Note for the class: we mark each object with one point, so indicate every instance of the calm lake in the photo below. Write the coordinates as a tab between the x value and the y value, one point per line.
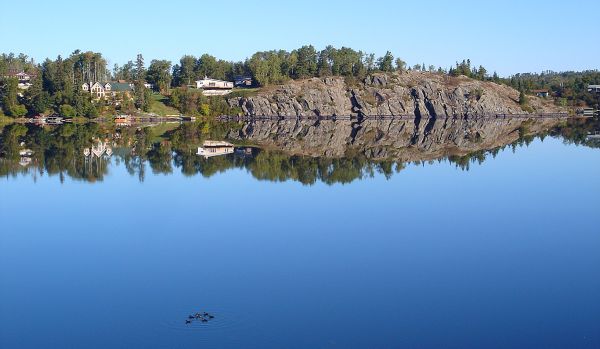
306	234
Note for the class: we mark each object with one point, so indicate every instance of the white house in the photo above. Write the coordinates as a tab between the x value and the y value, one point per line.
214	87
104	89
23	78
542	93
594	88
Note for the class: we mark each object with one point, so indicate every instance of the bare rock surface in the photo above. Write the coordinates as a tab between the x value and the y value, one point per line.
421	94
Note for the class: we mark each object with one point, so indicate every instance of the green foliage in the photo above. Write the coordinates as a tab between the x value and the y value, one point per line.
8	97
159	75
126	72
400	65
183	73
306	65
523	100
270	67
193	102
67	111
386	63
36	99
18	110
140	90
278	66
569	88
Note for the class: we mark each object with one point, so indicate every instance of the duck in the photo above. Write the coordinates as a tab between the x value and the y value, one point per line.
187	322
190	317
204	320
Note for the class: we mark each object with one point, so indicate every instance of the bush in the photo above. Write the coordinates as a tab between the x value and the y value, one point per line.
18	111
67	111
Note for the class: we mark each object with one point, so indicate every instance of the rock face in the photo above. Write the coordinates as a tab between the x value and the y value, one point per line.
419	94
398	139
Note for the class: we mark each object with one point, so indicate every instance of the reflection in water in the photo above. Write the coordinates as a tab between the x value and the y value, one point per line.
276	150
211	149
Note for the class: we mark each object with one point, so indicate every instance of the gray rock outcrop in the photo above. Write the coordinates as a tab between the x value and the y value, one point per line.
419	94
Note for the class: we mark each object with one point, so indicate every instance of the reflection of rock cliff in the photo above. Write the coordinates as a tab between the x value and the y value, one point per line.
399	139
411	93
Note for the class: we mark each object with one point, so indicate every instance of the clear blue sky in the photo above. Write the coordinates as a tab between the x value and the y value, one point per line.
509	36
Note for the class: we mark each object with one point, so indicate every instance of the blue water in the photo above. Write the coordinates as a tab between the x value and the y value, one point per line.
505	255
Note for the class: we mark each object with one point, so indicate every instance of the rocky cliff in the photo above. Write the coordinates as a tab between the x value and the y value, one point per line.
420	94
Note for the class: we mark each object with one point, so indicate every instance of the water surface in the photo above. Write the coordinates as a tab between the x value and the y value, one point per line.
496	249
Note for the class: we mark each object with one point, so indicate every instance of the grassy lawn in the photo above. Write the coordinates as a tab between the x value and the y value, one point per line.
159	107
243	92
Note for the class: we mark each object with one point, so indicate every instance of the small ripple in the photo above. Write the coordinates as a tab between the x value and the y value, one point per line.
222	321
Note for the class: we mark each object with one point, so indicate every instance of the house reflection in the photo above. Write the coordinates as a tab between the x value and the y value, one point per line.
211	149
98	150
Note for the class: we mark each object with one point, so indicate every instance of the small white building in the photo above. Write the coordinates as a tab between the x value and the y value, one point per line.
541	93
214	87
594	88
24	79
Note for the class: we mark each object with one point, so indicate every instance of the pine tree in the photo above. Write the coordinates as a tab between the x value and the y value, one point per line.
522	98
400	65
140	74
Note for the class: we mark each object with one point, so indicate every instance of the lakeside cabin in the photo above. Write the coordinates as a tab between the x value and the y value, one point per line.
211	149
541	93
214	87
594	88
23	78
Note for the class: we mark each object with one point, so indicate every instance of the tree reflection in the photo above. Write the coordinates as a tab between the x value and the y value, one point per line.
60	151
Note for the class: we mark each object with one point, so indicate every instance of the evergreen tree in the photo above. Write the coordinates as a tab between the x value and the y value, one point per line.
386	63
523	100
306	65
400	65
140	76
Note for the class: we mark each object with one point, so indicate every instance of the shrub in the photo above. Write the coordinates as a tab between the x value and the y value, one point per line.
67	111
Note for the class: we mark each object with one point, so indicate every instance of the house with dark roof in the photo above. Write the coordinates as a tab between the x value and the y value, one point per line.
107	89
23	77
243	81
121	86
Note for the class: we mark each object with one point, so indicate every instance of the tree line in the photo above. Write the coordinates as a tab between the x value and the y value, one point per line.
56	86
